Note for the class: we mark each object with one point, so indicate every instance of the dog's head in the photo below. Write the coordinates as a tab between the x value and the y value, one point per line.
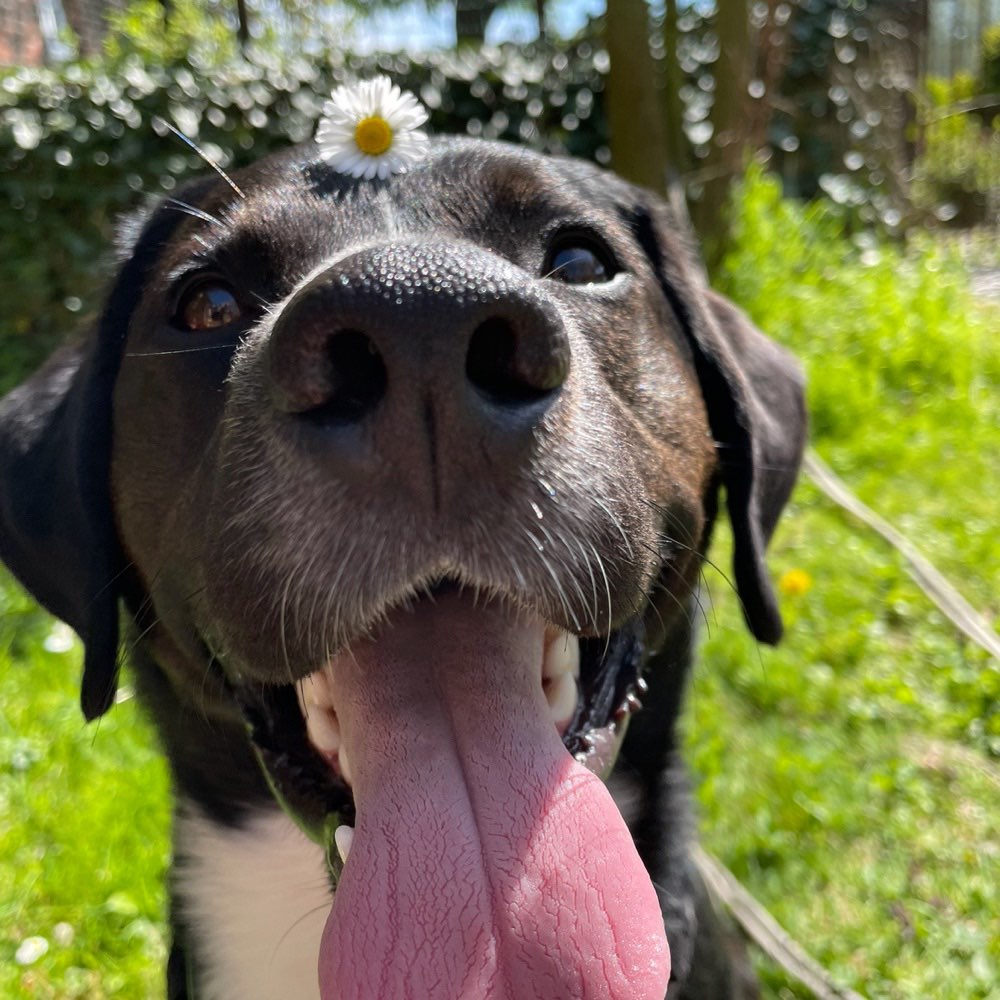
409	477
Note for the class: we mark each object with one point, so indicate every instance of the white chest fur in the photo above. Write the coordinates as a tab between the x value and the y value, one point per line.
255	901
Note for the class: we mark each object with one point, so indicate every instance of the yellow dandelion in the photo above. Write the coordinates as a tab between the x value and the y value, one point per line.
794	582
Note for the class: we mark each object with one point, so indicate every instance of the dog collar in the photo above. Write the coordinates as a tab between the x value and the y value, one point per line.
372	129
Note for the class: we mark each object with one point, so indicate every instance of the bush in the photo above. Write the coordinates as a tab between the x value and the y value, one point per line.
898	309
991	60
957	174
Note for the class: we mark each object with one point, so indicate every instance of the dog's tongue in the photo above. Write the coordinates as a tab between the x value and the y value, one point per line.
486	863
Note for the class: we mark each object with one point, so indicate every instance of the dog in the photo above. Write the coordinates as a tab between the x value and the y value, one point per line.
401	489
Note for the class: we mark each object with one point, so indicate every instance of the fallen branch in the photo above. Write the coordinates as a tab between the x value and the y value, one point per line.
950	602
766	932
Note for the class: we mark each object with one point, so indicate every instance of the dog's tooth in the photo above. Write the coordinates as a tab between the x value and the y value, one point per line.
323	729
343	837
344	765
562	656
315	690
561	694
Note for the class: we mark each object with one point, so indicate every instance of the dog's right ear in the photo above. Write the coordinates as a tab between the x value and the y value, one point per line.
57	529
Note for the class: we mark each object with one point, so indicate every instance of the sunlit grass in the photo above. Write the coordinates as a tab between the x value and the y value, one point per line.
852	776
84	820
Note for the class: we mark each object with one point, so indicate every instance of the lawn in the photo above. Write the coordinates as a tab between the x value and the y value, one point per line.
850	778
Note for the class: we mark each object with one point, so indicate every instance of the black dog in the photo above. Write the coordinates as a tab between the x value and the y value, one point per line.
404	487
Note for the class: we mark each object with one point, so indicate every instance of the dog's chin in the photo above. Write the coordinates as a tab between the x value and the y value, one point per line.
449	763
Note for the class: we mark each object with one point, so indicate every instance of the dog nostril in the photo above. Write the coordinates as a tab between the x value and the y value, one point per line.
357	378
512	368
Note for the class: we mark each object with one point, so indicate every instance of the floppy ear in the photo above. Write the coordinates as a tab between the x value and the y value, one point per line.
753	391
57	529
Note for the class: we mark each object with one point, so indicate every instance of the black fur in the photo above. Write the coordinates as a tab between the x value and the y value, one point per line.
61	523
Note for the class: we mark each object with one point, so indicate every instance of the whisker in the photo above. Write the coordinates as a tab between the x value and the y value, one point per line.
283	626
607	587
556	270
193	210
180	350
618	525
593	580
555	544
190	142
560	590
311	912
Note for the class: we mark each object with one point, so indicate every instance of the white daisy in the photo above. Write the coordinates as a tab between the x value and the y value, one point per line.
369	129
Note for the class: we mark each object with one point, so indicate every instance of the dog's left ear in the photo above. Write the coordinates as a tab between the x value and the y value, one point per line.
754	393
756	406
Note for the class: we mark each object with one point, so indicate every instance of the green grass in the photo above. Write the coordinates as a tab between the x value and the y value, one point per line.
84	820
851	778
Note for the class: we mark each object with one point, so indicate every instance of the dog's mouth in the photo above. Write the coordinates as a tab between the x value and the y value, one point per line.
450	763
590	719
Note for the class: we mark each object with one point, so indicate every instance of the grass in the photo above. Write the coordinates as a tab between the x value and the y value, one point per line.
851	778
84	816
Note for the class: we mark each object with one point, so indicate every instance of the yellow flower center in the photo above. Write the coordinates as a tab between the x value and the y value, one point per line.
373	135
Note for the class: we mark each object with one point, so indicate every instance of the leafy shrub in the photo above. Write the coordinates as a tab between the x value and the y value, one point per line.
957	174
898	310
991	60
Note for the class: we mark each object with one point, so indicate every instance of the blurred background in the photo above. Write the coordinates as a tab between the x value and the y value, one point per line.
839	161
885	107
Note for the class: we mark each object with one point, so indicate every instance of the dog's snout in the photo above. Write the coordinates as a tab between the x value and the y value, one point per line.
393	327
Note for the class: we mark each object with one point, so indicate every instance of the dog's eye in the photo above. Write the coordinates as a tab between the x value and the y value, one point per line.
577	264
208	305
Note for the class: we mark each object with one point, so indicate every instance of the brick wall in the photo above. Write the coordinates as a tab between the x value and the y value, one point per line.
20	37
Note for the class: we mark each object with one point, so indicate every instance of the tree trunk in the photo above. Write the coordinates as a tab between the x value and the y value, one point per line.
677	149
243	25
634	105
86	21
730	119
540	12
471	18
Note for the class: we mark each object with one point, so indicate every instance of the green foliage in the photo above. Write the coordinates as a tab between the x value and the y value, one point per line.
83	843
957	172
82	145
160	35
850	776
991	60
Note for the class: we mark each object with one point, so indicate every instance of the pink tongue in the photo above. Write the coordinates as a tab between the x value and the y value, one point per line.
486	863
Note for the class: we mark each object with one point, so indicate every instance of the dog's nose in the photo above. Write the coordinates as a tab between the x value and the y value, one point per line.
389	331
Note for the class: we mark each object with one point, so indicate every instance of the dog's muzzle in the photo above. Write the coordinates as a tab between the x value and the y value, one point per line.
486	857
